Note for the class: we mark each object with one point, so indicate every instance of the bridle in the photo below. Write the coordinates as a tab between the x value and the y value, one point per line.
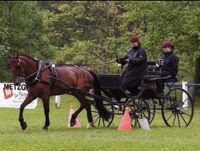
35	75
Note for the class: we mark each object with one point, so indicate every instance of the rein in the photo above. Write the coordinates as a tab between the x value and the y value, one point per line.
36	74
102	63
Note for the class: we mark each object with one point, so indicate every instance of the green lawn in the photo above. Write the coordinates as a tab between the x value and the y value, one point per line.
61	138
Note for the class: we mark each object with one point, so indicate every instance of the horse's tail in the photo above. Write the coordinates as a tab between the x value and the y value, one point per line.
103	112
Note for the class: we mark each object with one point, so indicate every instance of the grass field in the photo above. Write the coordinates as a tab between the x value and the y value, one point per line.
61	138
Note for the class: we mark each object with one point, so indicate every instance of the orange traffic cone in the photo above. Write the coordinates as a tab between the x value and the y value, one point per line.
125	123
71	111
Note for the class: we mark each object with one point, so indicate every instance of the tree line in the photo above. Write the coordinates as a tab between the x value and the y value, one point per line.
93	32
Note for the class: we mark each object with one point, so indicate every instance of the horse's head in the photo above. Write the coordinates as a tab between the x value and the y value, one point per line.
17	67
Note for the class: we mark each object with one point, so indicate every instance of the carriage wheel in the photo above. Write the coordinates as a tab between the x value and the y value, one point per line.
138	109
97	119
177	108
152	107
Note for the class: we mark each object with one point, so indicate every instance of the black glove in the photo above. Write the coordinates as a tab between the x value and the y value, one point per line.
122	60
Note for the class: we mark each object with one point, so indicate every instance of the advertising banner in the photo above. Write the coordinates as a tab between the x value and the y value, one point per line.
12	96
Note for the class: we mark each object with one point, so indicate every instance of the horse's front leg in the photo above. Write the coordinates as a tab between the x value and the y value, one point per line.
28	100
46	112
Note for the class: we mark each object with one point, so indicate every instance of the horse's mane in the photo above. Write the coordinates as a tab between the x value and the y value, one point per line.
28	57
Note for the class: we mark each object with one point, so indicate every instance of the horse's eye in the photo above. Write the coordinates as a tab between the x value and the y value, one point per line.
12	65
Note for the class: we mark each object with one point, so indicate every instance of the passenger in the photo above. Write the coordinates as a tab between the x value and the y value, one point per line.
136	59
168	64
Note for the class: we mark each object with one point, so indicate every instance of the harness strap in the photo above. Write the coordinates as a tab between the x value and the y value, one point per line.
37	77
53	71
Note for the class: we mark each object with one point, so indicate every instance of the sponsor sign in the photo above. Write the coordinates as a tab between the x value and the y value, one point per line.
12	96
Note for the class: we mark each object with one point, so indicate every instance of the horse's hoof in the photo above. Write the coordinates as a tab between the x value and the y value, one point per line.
90	125
24	126
45	128
72	123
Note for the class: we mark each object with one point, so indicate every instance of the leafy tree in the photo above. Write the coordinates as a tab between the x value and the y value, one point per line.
89	22
21	30
91	33
107	26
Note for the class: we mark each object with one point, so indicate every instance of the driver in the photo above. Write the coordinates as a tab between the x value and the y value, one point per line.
136	59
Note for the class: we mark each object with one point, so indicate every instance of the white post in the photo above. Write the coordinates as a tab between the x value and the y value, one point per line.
57	101
184	95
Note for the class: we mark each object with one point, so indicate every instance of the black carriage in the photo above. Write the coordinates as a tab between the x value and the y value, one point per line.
175	103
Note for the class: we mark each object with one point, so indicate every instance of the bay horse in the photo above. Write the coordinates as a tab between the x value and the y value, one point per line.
44	80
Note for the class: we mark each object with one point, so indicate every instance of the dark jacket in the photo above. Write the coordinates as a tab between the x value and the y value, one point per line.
138	61
170	64
136	68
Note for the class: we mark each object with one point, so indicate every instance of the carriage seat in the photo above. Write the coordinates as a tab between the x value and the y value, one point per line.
149	77
154	73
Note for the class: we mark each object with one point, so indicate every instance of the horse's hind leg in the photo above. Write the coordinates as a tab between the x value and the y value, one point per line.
28	100
89	116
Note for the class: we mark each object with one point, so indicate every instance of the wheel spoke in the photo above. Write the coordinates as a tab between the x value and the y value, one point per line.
99	121
183	119
169	117
182	112
167	105
178	120
175	96
138	109
95	111
174	120
186	100
96	119
103	121
95	115
179	102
